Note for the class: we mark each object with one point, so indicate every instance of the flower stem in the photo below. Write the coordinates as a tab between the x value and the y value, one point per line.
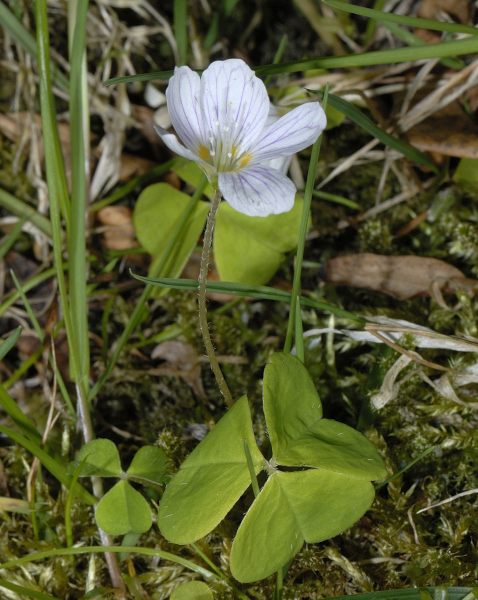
203	324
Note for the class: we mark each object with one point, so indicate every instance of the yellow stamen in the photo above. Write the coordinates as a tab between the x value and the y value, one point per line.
204	153
244	160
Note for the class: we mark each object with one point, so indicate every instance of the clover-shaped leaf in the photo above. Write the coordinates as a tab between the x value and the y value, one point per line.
246	249
192	590
102	460
211	479
122	509
300	437
293	506
157	213
251	249
150	465
312	505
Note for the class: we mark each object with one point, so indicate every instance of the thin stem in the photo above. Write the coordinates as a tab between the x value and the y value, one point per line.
255	483
314	158
203	324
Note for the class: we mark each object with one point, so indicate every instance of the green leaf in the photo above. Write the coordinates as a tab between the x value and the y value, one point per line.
156	216
256	291
8	344
334	117
466	173
151	464
378	57
122	510
24	591
211	479
190	172
192	590
102	459
300	437
251	249
310	505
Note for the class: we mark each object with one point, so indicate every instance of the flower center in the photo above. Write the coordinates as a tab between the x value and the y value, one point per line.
222	152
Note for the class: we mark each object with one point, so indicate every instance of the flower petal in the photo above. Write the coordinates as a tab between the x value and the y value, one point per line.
257	191
173	144
230	92
292	132
281	163
184	107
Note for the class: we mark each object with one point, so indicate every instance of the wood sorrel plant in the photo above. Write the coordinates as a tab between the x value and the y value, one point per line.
221	118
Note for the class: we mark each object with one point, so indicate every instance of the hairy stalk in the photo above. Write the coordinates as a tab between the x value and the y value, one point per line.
203	324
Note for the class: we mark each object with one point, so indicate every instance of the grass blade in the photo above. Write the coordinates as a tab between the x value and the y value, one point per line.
401	19
254	291
24	591
28	285
304	225
50	464
410	39
225	11
180	30
21	209
207	575
454	593
12	237
77	233
354	113
366	59
18	417
41	337
28	43
8	344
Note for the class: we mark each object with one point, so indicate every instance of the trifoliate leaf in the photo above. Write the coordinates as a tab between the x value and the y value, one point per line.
211	479
311	505
122	510
251	249
151	464
102	459
300	437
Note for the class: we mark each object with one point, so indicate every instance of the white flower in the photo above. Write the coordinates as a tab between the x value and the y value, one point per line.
221	120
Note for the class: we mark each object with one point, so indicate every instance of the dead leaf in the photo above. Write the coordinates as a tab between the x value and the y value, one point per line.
181	360
457	9
393	329
449	131
401	277
390	388
119	231
436	10
134	166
